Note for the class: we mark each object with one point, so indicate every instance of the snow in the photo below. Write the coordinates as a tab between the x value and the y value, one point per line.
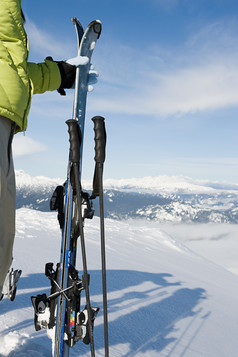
168	295
23	179
155	185
170	184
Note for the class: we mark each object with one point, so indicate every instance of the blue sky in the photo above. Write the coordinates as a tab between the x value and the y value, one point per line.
168	88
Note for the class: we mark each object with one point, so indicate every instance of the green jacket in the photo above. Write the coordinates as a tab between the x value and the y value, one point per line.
20	79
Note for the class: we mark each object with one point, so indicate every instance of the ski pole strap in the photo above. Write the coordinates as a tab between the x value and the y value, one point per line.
75	139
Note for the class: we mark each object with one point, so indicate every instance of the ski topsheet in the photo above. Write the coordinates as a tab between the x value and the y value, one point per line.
61	310
87	45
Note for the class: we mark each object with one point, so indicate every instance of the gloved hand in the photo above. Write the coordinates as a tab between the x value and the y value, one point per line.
68	72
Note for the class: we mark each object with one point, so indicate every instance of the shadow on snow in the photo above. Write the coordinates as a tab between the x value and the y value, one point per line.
143	310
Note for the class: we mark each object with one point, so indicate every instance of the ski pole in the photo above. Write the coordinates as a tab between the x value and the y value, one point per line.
100	145
75	143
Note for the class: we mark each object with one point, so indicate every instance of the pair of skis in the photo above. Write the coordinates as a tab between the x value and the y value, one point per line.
61	310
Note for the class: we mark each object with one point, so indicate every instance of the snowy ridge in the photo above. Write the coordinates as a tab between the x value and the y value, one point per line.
163	298
163	198
25	180
169	184
153	185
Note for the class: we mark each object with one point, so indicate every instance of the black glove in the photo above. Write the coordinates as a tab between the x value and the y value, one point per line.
68	73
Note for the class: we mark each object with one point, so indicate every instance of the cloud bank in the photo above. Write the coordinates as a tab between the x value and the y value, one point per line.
200	74
23	145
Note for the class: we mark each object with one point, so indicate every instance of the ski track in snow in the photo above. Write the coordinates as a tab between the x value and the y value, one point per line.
164	298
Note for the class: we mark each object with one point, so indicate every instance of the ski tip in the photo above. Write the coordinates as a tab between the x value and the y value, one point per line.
94	22
97	27
76	22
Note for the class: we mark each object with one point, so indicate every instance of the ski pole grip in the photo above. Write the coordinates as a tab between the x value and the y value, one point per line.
100	139
75	139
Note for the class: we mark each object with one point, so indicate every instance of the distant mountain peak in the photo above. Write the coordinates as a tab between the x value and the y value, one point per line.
161	198
23	179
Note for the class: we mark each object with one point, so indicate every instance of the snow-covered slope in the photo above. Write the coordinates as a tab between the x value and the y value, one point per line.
164	299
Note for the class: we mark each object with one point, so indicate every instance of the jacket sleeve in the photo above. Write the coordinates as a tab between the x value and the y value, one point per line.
44	76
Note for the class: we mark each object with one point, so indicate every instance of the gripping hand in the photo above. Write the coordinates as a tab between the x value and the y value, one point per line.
68	72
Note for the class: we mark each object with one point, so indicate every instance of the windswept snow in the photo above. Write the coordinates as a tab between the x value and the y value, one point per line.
164	298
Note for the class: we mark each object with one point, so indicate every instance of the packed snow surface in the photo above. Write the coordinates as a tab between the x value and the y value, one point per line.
165	298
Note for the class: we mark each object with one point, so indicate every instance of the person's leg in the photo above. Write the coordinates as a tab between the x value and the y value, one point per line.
7	198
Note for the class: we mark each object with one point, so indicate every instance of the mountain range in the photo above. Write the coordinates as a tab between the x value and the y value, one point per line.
161	198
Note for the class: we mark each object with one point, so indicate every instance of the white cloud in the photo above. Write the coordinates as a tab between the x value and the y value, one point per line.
199	75
199	88
191	82
23	145
44	44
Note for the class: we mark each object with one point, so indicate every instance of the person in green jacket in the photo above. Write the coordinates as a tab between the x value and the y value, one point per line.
19	80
